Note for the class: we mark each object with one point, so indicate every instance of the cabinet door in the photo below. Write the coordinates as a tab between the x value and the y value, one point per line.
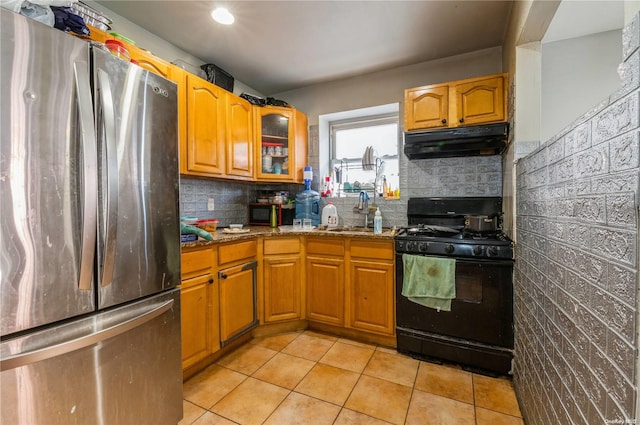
301	146
200	336
371	296
237	301
480	101
205	127
239	137
325	290
281	288
97	34
426	107
274	147
150	62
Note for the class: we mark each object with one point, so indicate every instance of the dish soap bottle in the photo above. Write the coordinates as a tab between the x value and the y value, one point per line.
377	222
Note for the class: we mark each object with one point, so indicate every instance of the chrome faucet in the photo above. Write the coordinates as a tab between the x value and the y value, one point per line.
363	207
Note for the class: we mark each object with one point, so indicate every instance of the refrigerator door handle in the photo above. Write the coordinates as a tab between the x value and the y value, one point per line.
64	347
88	142
110	149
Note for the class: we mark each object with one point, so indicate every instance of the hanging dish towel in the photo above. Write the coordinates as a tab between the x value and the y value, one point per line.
429	281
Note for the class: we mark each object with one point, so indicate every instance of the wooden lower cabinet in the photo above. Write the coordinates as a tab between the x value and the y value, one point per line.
199	307
237	300
282	279
200	334
339	285
325	272
238	288
371	296
372	286
325	290
281	288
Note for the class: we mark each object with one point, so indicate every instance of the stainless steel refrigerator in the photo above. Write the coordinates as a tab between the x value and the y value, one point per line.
89	234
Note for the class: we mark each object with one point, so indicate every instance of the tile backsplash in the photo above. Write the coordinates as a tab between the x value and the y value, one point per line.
230	198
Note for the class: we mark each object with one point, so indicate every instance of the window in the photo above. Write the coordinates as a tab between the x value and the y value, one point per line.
349	141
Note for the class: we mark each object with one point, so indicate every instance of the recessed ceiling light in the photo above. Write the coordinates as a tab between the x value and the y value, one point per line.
222	16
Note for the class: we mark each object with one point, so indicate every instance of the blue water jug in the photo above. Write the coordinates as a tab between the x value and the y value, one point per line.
308	201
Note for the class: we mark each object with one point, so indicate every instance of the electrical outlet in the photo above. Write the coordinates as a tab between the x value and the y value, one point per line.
210	205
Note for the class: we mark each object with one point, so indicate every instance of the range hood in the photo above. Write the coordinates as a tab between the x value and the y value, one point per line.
474	140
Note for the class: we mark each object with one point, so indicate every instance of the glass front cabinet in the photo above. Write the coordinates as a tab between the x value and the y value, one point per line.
275	147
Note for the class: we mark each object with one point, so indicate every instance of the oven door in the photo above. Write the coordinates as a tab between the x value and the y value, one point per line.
482	311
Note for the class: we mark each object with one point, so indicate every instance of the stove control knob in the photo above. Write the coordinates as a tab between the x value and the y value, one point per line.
422	247
399	245
410	246
449	248
477	250
492	251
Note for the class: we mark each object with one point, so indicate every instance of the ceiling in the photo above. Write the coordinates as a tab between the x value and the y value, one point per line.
578	18
275	46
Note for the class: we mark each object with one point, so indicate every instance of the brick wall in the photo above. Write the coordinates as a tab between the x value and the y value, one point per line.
576	274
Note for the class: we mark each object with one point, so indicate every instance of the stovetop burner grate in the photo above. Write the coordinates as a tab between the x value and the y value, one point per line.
437	227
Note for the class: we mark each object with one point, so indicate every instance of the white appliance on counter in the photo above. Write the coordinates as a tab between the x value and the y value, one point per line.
89	234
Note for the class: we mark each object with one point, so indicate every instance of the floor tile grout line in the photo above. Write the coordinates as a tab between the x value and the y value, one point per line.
473	393
413	389
313	334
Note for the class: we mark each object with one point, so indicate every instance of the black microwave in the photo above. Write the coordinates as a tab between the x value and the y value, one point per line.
260	214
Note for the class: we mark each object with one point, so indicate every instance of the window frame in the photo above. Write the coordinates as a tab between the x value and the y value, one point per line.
362	122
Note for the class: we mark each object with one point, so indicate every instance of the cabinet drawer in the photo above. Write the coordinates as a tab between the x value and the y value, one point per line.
370	249
281	246
196	263
198	280
237	251
325	246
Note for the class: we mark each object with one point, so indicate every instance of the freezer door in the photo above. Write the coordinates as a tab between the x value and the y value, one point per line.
121	366
47	175
138	226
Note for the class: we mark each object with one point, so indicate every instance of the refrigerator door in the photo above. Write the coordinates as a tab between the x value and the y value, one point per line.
138	226
121	366
47	175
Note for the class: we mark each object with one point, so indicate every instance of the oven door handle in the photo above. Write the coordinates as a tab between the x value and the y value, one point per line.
487	261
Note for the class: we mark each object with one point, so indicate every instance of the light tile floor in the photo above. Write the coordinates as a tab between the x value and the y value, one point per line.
310	378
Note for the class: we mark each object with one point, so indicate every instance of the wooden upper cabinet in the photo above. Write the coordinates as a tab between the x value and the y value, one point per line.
302	146
205	127
426	107
480	100
239	138
97	34
472	101
150	62
144	58
275	143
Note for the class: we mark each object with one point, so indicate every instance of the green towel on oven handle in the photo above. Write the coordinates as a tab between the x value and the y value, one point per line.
429	281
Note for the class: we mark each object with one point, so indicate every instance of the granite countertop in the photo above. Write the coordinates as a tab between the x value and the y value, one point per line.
256	231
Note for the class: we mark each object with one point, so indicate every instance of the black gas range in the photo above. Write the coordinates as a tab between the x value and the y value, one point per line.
446	241
478	331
